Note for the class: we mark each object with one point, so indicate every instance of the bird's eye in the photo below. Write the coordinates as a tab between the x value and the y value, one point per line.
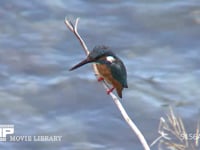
110	59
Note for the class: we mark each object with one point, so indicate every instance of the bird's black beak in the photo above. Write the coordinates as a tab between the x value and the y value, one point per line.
85	61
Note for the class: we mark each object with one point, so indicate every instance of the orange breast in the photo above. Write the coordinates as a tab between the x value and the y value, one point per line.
104	72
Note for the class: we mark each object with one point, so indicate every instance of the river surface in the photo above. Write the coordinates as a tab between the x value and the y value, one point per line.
158	41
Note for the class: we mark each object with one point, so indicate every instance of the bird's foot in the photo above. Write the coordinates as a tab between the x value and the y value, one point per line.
100	79
110	90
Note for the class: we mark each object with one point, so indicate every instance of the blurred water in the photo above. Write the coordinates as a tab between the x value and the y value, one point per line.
158	41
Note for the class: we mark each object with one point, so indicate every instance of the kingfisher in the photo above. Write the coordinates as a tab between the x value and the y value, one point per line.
110	68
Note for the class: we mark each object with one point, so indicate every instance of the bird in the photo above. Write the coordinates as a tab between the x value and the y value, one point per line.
110	68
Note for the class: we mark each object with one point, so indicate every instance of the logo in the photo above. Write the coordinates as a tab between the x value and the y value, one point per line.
6	130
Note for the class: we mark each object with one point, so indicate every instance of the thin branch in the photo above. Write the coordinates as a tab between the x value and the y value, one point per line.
74	29
197	137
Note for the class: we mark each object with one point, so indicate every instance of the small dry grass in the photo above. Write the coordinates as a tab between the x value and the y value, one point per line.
173	135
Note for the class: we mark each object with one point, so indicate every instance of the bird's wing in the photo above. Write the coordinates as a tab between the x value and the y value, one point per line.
119	72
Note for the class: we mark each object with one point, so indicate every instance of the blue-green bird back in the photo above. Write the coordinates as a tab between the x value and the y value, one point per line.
118	71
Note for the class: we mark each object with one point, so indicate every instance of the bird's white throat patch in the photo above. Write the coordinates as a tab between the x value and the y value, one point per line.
110	58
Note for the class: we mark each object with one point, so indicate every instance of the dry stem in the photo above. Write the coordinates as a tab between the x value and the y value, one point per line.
173	135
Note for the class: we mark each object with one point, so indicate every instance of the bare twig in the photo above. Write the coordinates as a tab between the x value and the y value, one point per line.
73	28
